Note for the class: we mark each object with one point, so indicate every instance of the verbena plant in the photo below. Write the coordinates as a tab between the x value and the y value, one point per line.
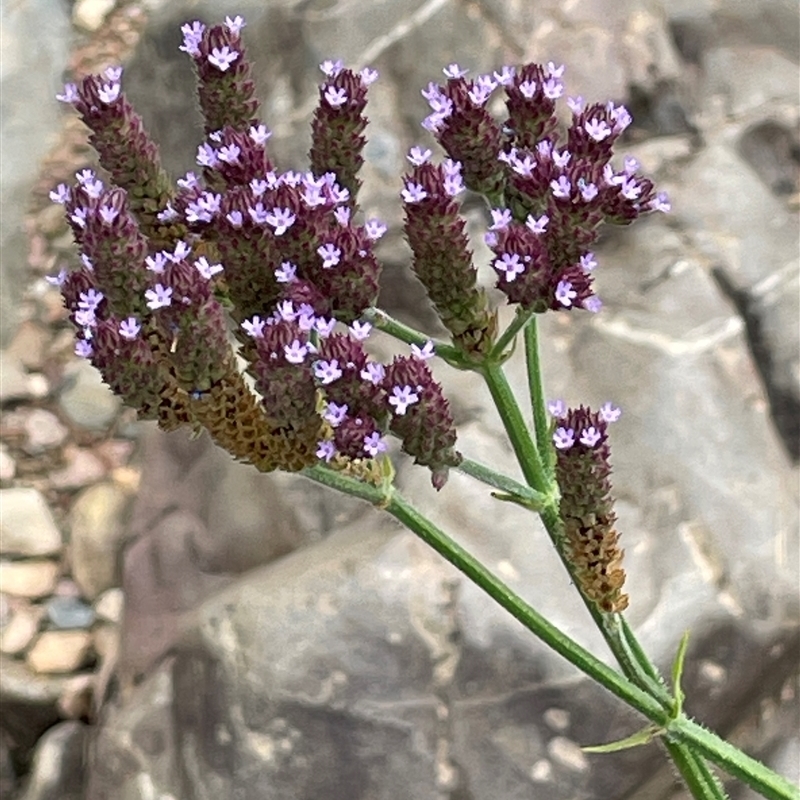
285	264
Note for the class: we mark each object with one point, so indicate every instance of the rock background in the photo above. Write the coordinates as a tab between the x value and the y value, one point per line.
152	607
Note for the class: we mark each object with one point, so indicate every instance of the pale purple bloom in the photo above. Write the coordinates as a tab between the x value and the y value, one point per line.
564	438
107	214
335	414
169	214
57	280
565	294
528	89
454	71
180	252
235	25
575	104
61	194
69	95
85	318
553	88
286	273
537	226
597	129
554	70
402	397
506	75
281	219
342	215
481	90
258	213
84	349
630	165
368	76
156	262
254	327
558	408
327	371
313	196
373	228
629	189
501	218
334	97
286	311
192	36
90	299
360	330
490	239
660	203
561	159
588	191
215	136
235	218
78	216
330	254
544	149
588	262
109	92
295	352
306	319
417	156
258	186
609	412
229	153
511	264
159	296
590	436
129	328
87	262
223	57
413	193
324	327
622	118
374	372
207	156
425	352
561	187
325	450
188	181
374	444
207	270
453	184
593	304
259	133
522	166
332	68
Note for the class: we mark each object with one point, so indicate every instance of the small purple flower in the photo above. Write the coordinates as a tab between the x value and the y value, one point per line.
334	97
87	262
501	218
235	25
373	228
374	444
557	408
629	189
565	294
169	214
188	182
413	193
342	215
553	88
254	327
192	36
630	165
78	216
57	280
207	156
327	371
281	219
593	304
506	75
286	273
538	226
597	129
159	296
324	327
109	92
511	264
527	89
588	262
229	153
561	187
69	95
660	203
61	194
180	252
454	71
335	414
609	412
90	299
417	156
575	104
453	184
156	262
402	397
564	438
85	318
129	328
360	330
622	118
285	310
107	214
258	213
295	352
374	372
330	254
235	218
331	68
84	349
368	76
590	436
325	450
259	133
207	270
425	352
222	57
588	191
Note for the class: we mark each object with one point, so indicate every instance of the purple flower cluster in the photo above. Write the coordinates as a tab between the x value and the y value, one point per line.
548	197
590	539
281	256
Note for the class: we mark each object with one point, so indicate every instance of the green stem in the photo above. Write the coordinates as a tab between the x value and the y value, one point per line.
695	772
541	424
518	433
520	320
529	497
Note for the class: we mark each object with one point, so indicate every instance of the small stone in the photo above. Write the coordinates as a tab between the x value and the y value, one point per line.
20	632
32	578
43	431
5	610
30	343
68	613
86	400
106	641
27	527
76	700
59	651
14	383
110	605
91	14
97	530
83	467
8	467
